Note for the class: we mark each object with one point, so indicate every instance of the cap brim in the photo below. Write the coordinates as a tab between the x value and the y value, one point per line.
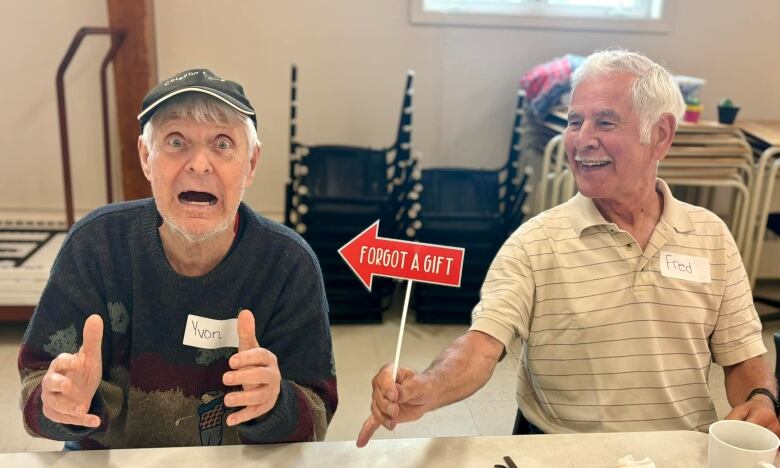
211	92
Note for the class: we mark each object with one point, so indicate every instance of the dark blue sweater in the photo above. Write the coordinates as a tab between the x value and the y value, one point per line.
155	390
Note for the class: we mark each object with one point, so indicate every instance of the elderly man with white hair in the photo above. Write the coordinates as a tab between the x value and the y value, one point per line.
622	296
203	322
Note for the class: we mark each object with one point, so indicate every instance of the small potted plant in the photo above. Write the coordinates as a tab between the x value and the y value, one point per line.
727	111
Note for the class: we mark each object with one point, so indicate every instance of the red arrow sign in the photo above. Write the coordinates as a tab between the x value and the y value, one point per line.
368	255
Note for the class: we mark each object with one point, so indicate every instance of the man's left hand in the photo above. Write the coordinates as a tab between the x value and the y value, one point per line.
758	410
256	370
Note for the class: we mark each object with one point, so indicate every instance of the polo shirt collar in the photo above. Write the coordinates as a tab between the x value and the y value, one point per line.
583	213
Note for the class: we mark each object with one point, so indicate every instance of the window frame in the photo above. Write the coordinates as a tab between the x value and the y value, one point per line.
662	25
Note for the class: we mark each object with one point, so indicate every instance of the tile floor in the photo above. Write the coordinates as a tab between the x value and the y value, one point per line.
360	351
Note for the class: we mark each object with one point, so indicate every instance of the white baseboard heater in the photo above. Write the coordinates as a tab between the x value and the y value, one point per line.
29	243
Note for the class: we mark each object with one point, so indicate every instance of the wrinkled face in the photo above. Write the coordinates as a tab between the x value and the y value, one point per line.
602	140
198	172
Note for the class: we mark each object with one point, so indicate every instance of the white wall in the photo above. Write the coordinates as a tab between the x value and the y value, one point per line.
34	35
352	55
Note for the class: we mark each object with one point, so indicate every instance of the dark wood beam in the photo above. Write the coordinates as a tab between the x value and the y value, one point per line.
16	313
135	72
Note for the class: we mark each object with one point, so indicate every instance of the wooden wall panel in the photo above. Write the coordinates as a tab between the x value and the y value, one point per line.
135	72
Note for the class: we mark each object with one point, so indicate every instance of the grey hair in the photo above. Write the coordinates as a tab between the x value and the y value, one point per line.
653	93
200	108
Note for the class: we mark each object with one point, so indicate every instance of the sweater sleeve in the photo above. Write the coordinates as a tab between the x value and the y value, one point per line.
299	335
70	296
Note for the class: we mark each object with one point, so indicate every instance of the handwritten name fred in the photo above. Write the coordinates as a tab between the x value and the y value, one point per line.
685	267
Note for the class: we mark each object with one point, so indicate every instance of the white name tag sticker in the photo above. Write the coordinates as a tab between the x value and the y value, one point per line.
206	333
686	267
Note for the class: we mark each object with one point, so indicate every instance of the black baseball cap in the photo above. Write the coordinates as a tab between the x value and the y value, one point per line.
196	81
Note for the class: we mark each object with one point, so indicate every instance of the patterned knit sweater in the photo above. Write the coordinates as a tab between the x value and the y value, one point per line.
156	391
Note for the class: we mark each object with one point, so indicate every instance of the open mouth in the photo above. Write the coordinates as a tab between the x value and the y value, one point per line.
197	198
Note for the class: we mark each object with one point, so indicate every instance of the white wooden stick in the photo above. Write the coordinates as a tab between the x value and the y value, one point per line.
401	330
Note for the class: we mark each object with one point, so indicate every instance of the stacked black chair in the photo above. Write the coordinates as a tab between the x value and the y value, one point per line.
335	192
471	208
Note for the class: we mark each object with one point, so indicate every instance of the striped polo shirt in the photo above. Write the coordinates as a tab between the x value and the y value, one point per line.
614	340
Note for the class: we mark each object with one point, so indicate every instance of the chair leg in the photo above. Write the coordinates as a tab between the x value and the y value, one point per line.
521	424
777	355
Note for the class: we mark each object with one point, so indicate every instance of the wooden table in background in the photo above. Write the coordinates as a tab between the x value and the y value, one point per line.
766	130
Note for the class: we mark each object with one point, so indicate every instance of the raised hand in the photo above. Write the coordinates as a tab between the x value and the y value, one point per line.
392	403
71	381
256	370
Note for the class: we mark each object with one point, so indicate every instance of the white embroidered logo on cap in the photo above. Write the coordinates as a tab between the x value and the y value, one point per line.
205	74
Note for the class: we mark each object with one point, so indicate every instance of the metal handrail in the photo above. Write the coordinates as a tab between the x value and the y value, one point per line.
117	37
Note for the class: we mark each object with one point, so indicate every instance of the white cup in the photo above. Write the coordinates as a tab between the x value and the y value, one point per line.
740	444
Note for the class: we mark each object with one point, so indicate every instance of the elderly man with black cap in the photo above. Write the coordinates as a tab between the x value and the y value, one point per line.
165	290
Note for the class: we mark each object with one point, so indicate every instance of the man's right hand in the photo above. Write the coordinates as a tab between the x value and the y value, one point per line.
392	403
70	383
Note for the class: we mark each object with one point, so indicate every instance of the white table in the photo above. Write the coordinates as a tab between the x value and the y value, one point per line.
667	449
